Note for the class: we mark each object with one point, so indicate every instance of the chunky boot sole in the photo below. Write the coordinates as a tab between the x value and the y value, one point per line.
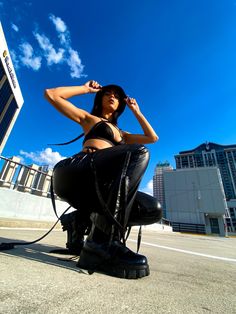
92	262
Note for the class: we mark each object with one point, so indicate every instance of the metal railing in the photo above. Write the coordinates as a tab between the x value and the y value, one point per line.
32	179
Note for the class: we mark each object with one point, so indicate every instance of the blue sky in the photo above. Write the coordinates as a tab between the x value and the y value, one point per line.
177	58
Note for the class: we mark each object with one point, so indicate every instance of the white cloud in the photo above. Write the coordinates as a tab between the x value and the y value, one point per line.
44	157
57	21
73	60
64	54
75	64
50	53
70	56
28	59
148	188
61	28
15	27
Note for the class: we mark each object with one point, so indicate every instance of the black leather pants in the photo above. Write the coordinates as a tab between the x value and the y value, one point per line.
103	182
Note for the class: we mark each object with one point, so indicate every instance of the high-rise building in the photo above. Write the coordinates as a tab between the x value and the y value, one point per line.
214	155
11	99
158	184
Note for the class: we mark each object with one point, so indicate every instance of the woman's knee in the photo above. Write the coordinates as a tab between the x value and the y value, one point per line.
138	148
146	210
139	153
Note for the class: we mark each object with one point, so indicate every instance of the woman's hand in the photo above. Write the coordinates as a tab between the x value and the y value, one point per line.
149	135
132	104
93	86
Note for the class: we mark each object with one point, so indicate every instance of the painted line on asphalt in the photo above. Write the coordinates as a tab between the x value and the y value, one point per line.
188	252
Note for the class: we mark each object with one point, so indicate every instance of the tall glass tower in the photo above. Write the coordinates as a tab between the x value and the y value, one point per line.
11	99
211	155
158	183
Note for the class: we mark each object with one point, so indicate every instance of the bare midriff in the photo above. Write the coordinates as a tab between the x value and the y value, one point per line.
96	144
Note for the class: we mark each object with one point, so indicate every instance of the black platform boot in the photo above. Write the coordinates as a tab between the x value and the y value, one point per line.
76	228
110	256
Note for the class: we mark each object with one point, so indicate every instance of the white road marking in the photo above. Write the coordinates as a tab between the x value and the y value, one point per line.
188	252
151	244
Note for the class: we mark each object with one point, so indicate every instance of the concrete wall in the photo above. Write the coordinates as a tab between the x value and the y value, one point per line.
19	205
194	196
26	206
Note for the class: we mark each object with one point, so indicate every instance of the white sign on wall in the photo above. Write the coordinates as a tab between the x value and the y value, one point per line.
9	69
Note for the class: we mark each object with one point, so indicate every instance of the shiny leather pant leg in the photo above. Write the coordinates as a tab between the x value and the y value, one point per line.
118	172
73	182
77	180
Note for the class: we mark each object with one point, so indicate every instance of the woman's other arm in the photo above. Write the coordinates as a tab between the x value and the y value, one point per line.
149	135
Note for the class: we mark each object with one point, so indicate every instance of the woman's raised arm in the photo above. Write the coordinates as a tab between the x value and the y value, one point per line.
149	135
58	98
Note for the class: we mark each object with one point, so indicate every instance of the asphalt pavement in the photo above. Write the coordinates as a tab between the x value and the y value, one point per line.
189	274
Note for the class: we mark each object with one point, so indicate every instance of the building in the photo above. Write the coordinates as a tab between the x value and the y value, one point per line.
11	99
224	158
25	191
158	184
213	155
195	200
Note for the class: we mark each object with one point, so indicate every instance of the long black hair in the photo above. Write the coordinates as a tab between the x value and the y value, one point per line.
97	107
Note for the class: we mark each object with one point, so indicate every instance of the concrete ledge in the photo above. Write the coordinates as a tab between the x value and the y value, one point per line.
35	224
20	205
24	210
31	224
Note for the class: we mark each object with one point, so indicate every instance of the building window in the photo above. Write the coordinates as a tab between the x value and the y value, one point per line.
7	119
2	72
198	159
184	162
232	213
5	93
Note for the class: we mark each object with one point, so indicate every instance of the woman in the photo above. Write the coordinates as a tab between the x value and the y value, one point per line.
102	180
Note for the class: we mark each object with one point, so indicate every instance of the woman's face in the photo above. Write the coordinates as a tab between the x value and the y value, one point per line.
110	101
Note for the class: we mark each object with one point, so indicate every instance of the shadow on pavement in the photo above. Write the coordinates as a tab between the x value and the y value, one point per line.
41	253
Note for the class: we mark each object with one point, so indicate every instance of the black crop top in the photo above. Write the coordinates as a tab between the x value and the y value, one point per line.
102	131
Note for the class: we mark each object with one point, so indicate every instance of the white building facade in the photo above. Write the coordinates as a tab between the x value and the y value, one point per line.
11	99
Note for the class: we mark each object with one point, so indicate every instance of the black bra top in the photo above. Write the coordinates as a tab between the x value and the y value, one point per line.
102	131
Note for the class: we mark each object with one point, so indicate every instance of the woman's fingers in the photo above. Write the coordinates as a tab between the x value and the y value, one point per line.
131	101
95	84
